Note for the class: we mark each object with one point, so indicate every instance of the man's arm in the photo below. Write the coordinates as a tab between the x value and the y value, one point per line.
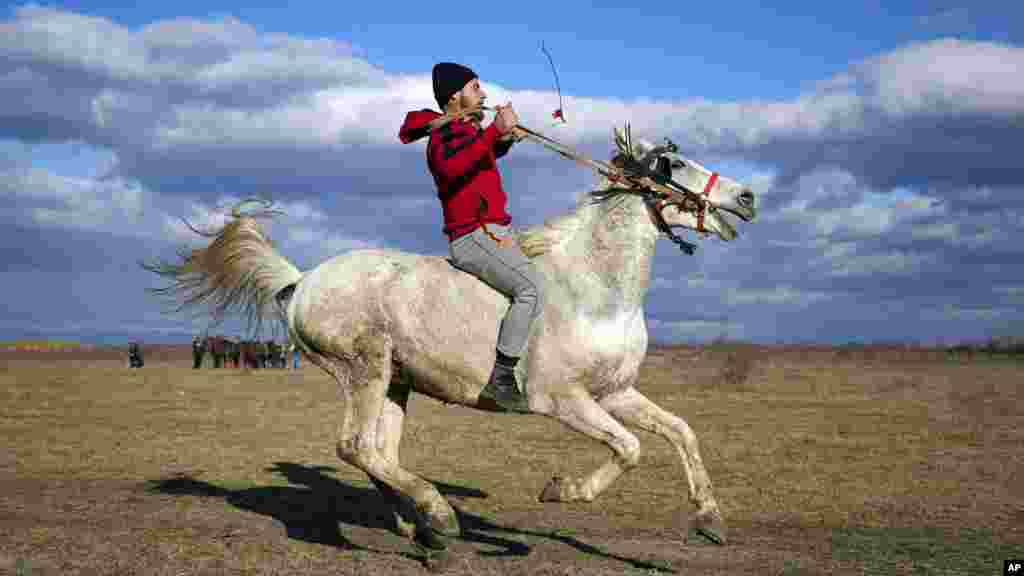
503	145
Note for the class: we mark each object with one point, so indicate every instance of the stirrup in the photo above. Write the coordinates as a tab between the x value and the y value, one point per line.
507	397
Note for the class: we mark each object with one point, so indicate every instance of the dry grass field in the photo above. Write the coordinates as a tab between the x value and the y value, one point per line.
825	461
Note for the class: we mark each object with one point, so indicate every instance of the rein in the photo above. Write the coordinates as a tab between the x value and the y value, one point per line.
657	188
659	220
634	173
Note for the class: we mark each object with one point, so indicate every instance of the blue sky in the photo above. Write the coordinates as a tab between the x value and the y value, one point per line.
882	142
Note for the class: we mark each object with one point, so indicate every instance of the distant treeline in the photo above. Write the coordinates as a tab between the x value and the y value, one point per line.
1001	346
43	345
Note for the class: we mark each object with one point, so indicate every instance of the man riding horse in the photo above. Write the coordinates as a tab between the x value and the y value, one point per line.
385	324
462	158
135	359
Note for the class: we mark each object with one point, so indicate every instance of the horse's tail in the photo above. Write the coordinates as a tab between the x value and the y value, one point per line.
239	270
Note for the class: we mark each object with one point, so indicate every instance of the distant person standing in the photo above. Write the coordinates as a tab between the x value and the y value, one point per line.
293	351
135	355
235	352
198	351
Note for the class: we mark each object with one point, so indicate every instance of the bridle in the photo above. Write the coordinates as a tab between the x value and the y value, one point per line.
657	187
657	200
636	176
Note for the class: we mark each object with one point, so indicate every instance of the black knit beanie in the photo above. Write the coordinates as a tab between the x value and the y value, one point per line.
449	78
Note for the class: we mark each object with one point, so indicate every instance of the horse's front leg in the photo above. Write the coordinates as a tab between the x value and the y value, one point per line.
635	409
581	413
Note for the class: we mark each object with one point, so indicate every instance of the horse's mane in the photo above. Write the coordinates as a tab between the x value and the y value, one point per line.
542	239
545	237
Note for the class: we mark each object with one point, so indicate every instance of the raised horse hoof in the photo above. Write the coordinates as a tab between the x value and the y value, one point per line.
552	491
710	526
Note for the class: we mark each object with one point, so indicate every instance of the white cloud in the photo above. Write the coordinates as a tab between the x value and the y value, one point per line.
1014	292
832	202
306	231
780	295
878	214
328	95
954	312
948	231
896	262
324	243
836	251
689	282
761	183
302	211
76	203
51	36
201	217
703	329
212	55
948	75
861	219
999	231
127	209
940	77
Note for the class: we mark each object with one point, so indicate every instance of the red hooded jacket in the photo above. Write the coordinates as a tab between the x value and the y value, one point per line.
462	158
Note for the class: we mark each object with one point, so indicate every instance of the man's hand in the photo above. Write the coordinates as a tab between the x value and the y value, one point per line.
516	135
506	118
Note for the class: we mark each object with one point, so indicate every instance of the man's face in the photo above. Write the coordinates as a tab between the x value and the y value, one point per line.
471	95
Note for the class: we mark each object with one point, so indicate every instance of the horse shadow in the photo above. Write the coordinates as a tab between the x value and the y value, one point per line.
317	505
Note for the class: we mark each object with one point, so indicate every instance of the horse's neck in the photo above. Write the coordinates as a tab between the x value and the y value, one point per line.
605	267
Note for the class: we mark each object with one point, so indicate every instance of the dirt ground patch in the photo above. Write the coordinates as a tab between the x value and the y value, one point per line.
823	463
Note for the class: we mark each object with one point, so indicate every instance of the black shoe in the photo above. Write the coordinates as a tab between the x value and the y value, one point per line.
502	390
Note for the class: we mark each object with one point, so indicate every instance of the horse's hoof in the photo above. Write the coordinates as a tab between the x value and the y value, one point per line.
405	528
432	540
711	526
552	490
438	561
436	535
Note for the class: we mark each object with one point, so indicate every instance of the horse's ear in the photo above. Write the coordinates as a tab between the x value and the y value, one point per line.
620	139
624	140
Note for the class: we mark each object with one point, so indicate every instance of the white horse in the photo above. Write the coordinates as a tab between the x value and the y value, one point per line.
385	323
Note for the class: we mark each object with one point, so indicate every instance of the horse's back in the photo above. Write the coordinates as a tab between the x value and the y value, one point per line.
441	322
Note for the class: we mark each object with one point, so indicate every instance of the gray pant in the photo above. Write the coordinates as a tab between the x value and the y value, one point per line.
509	272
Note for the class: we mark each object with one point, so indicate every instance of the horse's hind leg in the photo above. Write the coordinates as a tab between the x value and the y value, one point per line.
633	408
364	381
389	437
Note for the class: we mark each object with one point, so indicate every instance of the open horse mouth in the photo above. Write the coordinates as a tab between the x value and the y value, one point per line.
740	215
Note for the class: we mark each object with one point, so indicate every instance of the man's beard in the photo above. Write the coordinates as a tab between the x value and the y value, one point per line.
478	115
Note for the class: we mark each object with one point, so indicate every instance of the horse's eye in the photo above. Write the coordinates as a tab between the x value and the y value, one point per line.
663	167
676	164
